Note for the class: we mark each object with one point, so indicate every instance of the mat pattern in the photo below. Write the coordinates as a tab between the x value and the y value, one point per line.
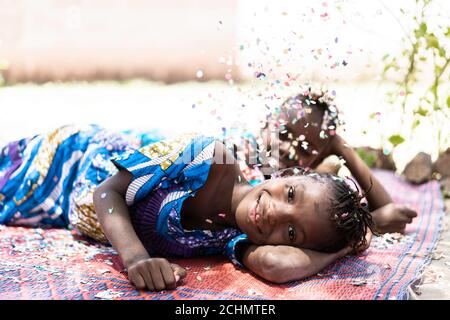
59	264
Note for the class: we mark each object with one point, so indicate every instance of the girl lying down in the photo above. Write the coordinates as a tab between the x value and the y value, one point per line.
179	198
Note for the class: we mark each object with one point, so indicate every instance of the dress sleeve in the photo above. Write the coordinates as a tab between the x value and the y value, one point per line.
232	246
185	159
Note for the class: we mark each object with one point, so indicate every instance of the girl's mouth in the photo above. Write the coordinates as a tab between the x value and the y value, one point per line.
255	214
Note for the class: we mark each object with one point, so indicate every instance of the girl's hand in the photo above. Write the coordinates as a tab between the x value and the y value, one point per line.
393	218
366	246
155	274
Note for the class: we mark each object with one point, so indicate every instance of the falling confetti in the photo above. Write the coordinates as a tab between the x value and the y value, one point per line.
199	73
260	75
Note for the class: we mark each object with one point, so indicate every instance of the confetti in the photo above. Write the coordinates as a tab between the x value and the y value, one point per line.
103	195
108	295
260	75
359	282
103	271
199	74
389	240
110	210
253	292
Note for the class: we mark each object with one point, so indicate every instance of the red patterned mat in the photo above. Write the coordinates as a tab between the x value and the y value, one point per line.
58	264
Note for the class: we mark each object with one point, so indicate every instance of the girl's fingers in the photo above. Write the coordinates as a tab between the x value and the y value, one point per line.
168	276
157	277
177	270
148	279
405	219
138	281
409	212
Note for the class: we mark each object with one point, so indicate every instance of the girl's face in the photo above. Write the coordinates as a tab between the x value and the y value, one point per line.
309	146
287	211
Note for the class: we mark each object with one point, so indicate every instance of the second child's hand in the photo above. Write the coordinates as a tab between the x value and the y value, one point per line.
393	218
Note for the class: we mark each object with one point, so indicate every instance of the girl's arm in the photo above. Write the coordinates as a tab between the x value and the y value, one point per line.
280	264
112	212
113	215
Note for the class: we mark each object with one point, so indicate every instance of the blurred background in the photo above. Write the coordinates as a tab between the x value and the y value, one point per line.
207	65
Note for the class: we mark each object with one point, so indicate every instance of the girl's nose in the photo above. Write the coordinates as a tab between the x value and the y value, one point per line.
277	213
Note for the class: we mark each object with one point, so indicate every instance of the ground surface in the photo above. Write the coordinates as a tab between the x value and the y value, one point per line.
30	109
435	283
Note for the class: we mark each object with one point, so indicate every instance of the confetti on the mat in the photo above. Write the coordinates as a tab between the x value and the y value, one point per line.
359	282
110	210
103	271
253	292
108	295
389	240
103	195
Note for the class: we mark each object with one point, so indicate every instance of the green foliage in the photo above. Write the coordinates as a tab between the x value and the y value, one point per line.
396	139
368	157
424	47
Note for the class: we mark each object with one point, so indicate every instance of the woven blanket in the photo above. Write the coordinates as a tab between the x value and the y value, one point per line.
59	264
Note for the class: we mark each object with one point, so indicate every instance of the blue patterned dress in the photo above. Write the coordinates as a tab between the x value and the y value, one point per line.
49	180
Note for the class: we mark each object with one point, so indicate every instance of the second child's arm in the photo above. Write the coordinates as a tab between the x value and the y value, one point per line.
113	215
388	216
378	196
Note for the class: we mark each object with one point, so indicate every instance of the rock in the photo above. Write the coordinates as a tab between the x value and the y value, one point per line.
442	164
445	188
375	158
419	169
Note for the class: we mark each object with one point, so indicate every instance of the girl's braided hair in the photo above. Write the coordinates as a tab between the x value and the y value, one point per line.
294	108
347	209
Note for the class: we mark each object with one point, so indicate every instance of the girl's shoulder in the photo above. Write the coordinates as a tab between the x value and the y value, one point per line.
184	159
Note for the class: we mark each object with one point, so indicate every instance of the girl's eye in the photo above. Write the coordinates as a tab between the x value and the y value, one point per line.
291	233
291	194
